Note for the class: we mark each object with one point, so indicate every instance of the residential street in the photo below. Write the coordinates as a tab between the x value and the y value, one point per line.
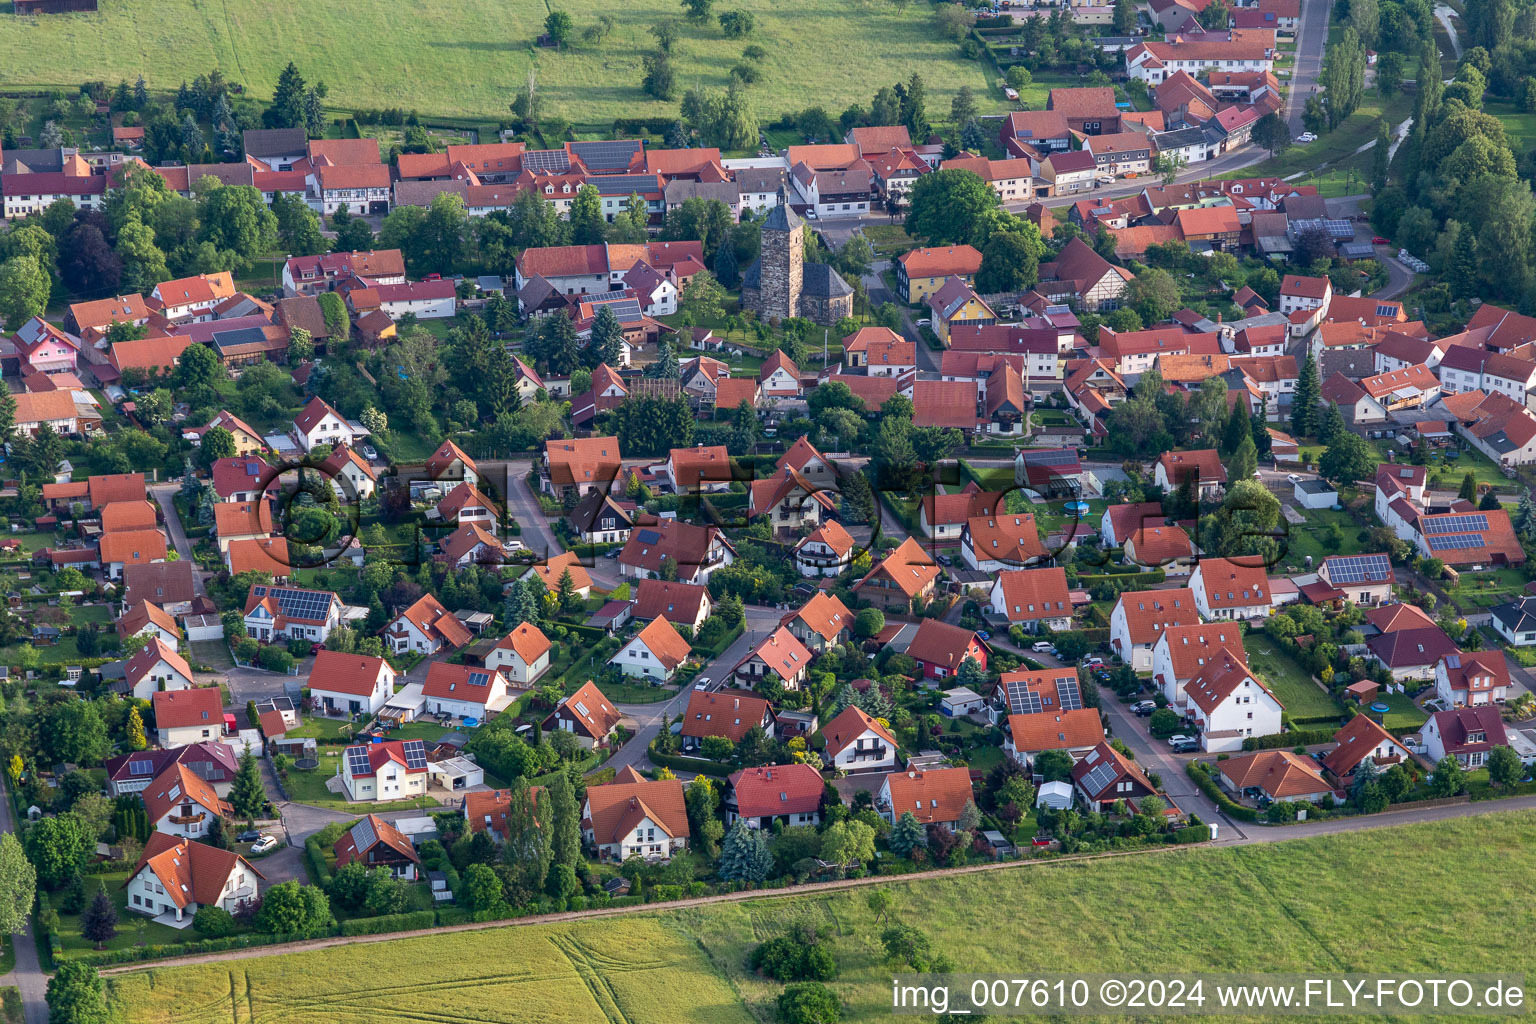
647	717
1310	40
28	974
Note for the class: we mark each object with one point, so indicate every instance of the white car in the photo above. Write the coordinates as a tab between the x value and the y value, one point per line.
265	843
924	322
1293	478
1305	137
1044	647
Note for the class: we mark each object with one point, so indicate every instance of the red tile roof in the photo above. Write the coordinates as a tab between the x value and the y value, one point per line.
939	643
614	809
356	674
774	789
190	872
664	642
1149	612
909	567
180	709
1030	594
1357	740
676	602
1279	773
824	615
1064	730
177	784
848	726
366	834
728	713
590	709
935	795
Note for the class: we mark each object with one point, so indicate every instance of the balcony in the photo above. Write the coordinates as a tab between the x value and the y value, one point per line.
187	819
871	754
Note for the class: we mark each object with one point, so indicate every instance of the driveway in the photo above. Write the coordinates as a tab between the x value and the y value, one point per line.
647	717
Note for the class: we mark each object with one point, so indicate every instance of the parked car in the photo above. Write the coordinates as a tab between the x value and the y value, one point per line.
614	553
1183	744
264	844
1143	708
250	835
1094	662
701	683
316	648
924	322
983	634
1293	478
1044	647
1378	240
369	452
946	560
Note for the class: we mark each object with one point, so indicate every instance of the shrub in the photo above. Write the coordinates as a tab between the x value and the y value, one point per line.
794	957
213	922
382	925
1202	778
809	1002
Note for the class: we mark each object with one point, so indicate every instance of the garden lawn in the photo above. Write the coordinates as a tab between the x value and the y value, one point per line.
889	240
131	928
1301	541
1302	698
212	652
80	614
1446	474
1405	714
448	59
1151	910
1480	591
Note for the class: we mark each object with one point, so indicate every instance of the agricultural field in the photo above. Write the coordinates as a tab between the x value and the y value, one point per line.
646	972
689	965
460	60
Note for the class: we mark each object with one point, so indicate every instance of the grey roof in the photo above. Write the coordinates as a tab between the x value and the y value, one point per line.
409	192
226	340
761	179
781	217
1315	487
1354	363
753	276
1179	138
275	141
37	161
1518	616
489	283
1357	250
679	190
822	282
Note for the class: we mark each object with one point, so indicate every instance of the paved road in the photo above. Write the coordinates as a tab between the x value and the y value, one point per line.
1444	14
164	495
1310	40
647	717
28	974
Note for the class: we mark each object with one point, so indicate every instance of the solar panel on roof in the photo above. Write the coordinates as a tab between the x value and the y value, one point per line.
1070	693
547	160
605	154
1456	524
479	678
363	835
1386	311
415	752
357	761
626	310
1453	661
303	604
1023	701
1054	457
1455	541
1357	568
1099	779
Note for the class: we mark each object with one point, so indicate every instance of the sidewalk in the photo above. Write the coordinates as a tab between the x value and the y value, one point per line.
28	974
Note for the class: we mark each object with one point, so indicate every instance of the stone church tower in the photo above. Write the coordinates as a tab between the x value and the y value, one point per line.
782	273
780	284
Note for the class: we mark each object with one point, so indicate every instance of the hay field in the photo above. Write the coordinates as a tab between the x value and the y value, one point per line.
1335	903
465	59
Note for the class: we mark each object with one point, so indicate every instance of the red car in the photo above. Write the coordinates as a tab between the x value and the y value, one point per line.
1378	240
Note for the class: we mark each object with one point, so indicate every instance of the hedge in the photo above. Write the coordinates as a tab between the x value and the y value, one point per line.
1295	738
1192	834
137	954
689	764
1202	778
385	923
317	861
453	915
1154	576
